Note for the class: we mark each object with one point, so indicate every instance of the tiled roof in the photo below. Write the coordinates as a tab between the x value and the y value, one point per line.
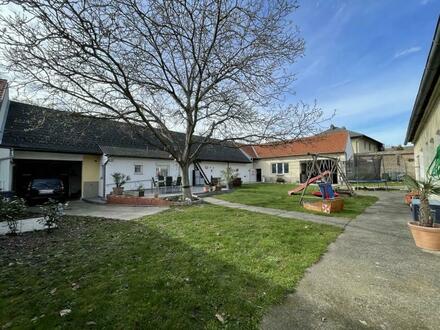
250	151
134	152
329	143
427	87
30	127
353	134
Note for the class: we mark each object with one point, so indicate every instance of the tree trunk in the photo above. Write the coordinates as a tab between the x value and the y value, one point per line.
186	187
425	211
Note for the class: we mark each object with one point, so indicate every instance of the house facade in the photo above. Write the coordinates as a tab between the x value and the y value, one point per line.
288	161
85	151
424	125
360	143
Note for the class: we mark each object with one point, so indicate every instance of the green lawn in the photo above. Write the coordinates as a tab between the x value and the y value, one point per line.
275	196
177	269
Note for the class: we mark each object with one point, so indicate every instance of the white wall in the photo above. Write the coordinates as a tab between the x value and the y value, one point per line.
5	170
294	167
349	150
243	170
126	166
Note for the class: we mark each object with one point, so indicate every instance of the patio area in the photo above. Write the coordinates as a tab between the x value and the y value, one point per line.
168	191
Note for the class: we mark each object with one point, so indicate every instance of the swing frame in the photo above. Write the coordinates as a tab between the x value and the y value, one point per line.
334	168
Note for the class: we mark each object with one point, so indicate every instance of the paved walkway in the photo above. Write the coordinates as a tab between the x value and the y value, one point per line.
23	226
340	222
372	277
118	212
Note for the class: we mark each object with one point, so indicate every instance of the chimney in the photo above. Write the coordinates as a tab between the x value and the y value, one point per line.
4	105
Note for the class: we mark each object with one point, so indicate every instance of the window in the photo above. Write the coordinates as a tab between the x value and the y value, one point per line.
138	169
280	168
162	170
369	147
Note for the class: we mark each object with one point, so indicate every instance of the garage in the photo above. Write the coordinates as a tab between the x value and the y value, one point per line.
68	171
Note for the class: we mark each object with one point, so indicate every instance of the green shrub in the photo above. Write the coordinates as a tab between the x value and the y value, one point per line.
52	213
281	180
11	210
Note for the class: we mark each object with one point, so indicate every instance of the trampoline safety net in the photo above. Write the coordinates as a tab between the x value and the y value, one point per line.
378	167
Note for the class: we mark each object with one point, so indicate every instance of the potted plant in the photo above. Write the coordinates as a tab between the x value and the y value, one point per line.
120	180
425	232
141	191
228	177
236	182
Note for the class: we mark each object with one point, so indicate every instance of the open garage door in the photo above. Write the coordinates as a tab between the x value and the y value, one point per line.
68	171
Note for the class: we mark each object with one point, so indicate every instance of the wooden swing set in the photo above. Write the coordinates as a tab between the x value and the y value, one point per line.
324	168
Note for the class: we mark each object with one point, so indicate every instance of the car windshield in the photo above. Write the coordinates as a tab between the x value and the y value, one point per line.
46	183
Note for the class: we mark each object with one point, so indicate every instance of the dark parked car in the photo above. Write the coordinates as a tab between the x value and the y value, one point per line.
45	188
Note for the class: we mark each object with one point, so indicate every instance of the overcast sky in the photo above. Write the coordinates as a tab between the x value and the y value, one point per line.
365	58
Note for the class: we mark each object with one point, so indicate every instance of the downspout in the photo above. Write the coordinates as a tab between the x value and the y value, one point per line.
104	167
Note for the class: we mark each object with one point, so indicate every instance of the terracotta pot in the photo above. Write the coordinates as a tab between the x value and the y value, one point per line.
425	237
118	190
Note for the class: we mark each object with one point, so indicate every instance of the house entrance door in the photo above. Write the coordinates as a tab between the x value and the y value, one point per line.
258	174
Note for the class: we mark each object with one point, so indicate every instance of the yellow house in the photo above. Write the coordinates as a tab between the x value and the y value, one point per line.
424	125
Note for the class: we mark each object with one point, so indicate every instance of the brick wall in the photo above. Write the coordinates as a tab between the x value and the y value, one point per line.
134	200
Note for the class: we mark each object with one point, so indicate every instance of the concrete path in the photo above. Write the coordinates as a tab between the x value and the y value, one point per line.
23	226
372	277
119	212
336	221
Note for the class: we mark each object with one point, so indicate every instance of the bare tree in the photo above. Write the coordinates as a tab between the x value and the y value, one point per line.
216	70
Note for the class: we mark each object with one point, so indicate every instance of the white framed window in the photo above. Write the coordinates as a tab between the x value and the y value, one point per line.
162	170
138	169
280	168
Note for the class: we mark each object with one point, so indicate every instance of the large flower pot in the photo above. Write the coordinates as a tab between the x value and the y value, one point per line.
118	190
425	237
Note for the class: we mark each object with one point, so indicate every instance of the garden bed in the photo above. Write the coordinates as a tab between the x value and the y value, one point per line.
137	201
148	201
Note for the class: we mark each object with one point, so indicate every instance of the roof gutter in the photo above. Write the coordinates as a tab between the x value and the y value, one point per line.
427	85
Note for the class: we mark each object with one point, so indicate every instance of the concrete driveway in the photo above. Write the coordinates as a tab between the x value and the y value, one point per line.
119	212
372	277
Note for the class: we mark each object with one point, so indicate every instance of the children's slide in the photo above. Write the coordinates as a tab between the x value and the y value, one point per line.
302	186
